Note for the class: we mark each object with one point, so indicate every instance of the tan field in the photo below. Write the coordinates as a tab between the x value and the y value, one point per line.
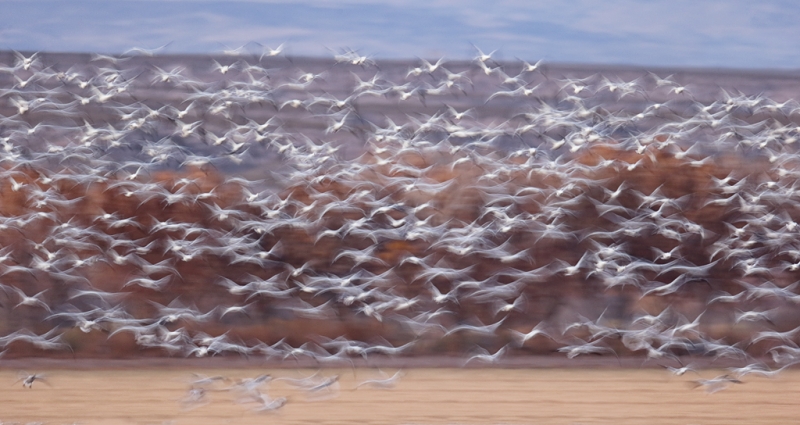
422	396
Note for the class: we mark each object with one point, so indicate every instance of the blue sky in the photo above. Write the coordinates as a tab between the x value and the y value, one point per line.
731	34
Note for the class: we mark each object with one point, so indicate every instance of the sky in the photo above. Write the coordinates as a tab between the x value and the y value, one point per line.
671	33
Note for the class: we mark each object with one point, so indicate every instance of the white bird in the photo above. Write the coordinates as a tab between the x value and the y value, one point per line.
28	380
26	62
145	52
326	383
537	330
32	301
680	371
483	355
224	69
586	348
269	405
483	57
716	384
274	52
526	67
384	383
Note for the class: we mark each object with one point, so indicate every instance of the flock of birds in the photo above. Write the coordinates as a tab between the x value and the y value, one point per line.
479	209
255	391
315	387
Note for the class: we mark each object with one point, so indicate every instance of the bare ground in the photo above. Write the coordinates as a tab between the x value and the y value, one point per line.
153	394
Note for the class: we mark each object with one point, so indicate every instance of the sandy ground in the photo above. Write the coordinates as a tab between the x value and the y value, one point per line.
422	396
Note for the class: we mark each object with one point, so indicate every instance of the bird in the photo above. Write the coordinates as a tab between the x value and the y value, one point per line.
717	384
523	338
527	67
382	383
269	52
483	57
680	371
441	298
268	405
586	348
195	397
484	356
224	69
26	62
760	370
30	301
28	379
145	52
477	329
323	384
